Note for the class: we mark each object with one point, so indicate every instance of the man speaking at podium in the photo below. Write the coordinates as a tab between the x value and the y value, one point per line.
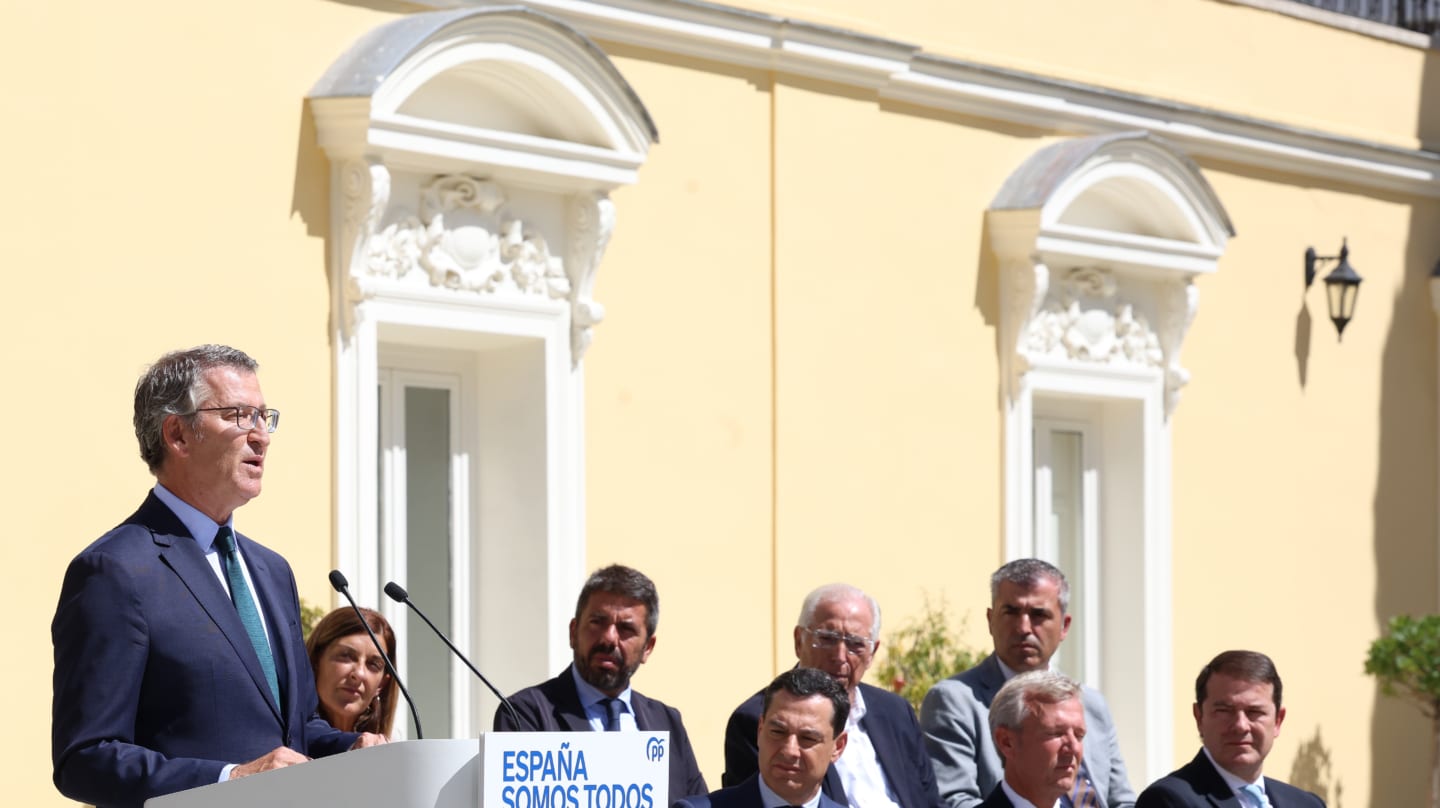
612	635
178	655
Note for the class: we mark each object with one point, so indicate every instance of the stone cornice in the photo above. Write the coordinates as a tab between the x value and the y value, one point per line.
901	72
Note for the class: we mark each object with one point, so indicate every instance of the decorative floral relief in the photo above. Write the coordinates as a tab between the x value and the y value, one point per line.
1085	324
466	240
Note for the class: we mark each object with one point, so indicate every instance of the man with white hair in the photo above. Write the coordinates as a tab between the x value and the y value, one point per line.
1038	723
884	765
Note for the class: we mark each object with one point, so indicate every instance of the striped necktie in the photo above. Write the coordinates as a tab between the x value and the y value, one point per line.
1083	794
245	605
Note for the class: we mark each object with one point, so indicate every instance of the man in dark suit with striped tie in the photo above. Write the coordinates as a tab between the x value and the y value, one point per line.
1038	723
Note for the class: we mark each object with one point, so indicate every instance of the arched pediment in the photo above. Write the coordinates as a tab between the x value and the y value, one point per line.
506	87
1125	188
1099	240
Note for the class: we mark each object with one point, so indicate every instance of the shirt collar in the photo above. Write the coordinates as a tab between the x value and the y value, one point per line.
1018	801
769	799
202	528
1235	783
857	710
591	695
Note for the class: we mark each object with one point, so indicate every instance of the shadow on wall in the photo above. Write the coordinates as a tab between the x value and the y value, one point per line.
1404	509
1312	771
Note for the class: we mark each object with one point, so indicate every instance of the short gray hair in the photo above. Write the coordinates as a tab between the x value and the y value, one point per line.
833	592
175	385
1027	572
1017	699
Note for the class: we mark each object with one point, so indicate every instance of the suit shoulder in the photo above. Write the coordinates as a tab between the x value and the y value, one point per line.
1172	789
879	697
748	711
1293	795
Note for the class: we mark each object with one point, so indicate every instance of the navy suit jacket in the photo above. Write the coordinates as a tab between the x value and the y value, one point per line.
997	799
1197	784
744	795
157	687
894	732
554	706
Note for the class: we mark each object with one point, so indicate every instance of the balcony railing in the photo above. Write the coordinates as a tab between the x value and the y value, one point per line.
1413	15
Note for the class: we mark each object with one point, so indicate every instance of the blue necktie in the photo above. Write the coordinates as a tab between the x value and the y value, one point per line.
245	605
1256	795
612	714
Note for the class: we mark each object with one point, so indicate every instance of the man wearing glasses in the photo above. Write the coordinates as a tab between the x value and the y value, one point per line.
884	764
178	655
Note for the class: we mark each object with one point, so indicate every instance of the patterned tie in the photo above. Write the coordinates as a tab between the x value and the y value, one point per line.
1255	795
612	714
245	605
1083	795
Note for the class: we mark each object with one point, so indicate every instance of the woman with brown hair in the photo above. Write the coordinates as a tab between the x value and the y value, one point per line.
350	675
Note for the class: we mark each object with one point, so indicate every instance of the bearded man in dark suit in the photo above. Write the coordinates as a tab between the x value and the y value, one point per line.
612	635
1238	711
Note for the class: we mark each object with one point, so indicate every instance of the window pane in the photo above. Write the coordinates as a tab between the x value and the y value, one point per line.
427	549
1066	512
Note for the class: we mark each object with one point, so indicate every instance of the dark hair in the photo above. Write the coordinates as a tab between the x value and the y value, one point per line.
1027	572
342	622
1249	666
617	579
175	385
804	682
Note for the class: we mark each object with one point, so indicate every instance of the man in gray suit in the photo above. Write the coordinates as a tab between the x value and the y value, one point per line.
1028	620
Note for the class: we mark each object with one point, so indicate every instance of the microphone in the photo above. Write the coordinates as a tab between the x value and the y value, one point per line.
398	594
337	580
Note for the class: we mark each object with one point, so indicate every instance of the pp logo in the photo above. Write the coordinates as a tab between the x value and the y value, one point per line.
655	749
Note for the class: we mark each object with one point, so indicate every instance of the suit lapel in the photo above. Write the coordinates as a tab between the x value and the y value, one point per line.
273	596
991	679
1209	782
180	553
569	711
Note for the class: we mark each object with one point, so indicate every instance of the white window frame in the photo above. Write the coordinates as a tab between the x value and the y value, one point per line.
445	131
1099	241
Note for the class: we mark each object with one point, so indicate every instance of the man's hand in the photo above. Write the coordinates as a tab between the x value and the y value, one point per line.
277	758
369	739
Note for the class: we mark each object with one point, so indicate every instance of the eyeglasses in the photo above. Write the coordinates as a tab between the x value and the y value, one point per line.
827	640
248	417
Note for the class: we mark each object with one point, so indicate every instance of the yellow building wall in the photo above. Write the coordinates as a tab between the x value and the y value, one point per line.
1211	53
797	380
162	190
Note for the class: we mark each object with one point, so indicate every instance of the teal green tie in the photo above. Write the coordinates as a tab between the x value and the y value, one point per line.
245	605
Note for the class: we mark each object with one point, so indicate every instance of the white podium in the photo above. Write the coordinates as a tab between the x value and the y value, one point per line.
500	770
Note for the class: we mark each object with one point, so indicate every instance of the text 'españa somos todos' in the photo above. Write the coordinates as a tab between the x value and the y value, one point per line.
551	778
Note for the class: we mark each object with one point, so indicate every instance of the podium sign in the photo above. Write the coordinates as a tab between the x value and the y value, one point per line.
511	770
575	770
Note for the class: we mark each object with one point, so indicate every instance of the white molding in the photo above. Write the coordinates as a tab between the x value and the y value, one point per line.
477	239
902	72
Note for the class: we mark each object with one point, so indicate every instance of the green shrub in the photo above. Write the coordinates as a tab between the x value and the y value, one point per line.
921	653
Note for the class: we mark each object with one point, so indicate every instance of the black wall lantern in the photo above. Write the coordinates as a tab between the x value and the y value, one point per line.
1342	285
